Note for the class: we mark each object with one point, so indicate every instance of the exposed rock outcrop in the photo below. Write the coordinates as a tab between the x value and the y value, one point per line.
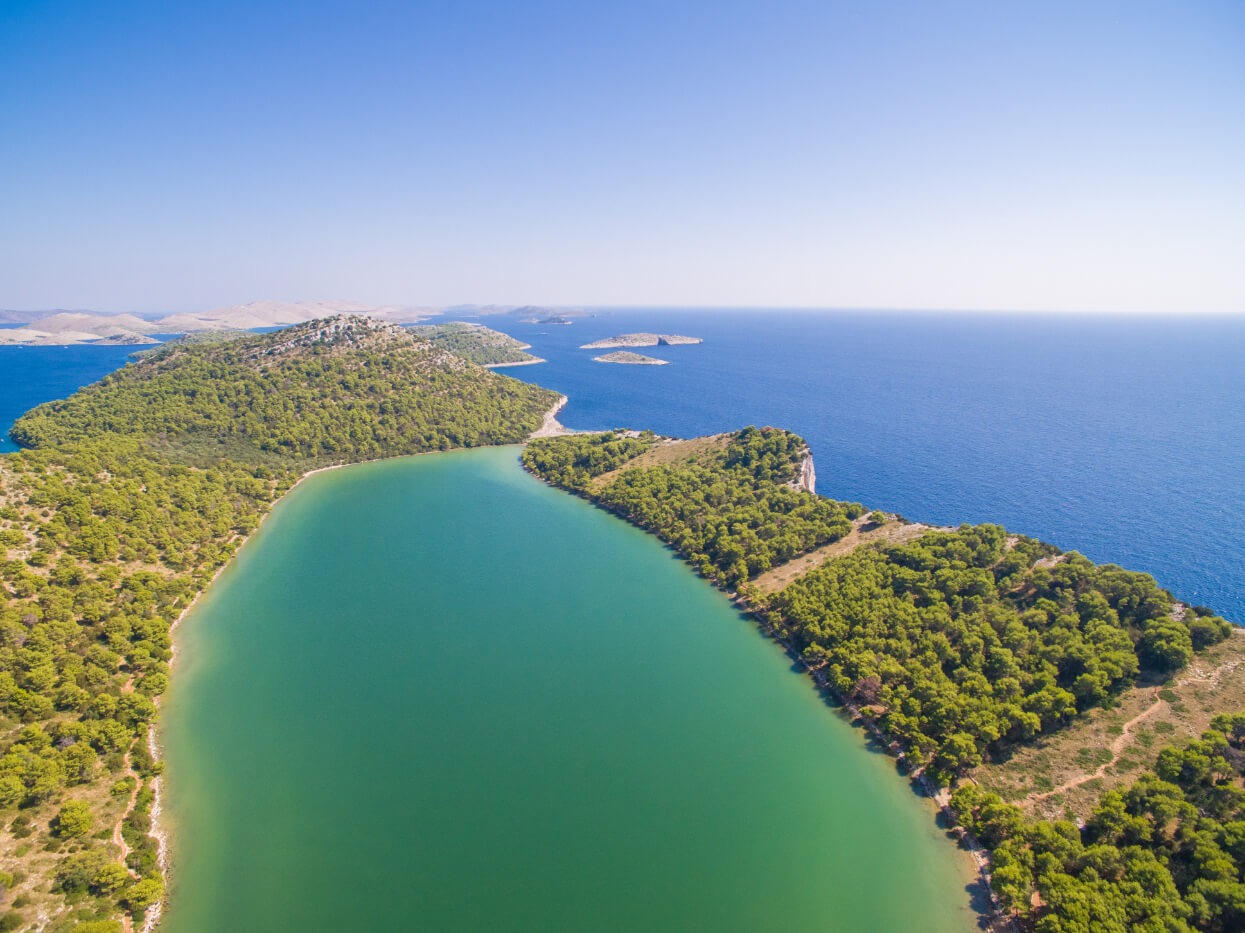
806	475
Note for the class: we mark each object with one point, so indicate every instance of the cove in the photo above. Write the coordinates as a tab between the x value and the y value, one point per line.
435	694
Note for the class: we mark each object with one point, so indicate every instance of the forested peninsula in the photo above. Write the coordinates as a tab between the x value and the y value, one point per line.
478	343
970	651
129	497
959	648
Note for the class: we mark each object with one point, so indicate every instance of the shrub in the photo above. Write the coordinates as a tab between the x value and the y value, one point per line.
73	820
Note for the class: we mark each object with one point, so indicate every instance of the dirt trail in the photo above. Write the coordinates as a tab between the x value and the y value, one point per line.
1116	748
863	532
118	839
1194	674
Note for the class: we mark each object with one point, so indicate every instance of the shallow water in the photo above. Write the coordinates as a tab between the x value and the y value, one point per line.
435	694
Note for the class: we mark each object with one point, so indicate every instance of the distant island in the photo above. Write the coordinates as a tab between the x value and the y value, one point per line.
125	340
640	340
479	344
63	328
96	328
197	338
73	327
535	314
633	359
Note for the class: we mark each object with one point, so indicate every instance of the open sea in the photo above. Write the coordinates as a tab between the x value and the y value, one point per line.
1122	437
30	376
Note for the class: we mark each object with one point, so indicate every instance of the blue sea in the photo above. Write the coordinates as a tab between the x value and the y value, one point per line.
31	375
1122	437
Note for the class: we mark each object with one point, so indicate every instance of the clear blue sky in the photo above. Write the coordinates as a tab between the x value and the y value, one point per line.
1041	155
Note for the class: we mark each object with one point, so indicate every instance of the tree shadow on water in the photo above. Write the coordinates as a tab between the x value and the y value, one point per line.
980	902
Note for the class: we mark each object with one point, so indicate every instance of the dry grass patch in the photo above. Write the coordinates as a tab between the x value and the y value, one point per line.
863	532
671	452
31	851
1068	772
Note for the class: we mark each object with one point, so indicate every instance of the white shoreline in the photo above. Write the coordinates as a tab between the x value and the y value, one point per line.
531	362
552	427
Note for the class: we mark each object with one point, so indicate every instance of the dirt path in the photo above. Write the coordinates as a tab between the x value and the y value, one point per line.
1116	748
863	532
118	839
1194	674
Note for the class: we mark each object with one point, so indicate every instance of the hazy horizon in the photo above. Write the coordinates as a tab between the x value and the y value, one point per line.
970	157
466	307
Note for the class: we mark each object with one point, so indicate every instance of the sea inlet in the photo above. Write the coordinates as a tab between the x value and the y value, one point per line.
435	694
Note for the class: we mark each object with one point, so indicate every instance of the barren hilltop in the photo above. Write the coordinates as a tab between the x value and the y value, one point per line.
74	327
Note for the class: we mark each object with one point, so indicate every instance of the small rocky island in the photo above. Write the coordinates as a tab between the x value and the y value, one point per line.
125	340
635	359
640	340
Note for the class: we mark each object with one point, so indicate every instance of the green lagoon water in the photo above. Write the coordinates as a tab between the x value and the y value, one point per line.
434	694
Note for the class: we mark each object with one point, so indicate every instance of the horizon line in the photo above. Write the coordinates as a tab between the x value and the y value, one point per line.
467	307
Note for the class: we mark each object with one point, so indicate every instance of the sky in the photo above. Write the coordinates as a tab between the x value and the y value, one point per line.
1063	156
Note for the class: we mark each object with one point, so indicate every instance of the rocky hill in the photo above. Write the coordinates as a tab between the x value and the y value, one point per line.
131	494
336	389
72	327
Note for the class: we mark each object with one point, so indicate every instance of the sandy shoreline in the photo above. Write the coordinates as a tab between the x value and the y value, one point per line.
551	426
516	363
